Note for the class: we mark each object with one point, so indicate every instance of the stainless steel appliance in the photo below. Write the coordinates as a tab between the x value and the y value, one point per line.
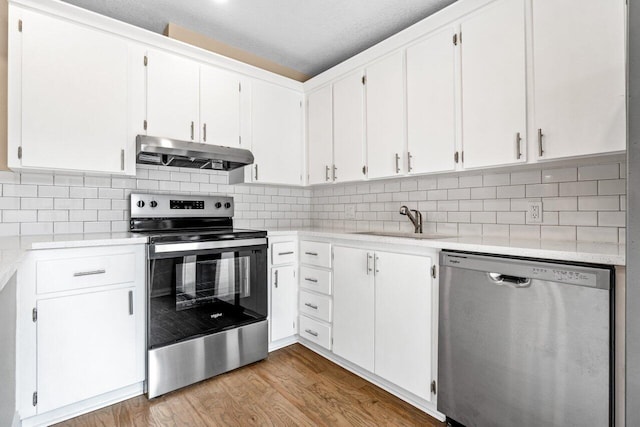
524	342
170	152
207	289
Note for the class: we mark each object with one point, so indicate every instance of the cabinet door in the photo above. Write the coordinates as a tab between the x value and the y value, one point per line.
277	134
579	86
74	96
86	346
353	305
320	136
493	85
219	107
283	303
348	128
385	117
403	338
431	91
172	96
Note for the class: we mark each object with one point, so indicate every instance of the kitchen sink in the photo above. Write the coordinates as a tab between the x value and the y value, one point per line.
404	235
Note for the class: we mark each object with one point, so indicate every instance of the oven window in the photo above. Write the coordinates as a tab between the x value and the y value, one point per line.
195	295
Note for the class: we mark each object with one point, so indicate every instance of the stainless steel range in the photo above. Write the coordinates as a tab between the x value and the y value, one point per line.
207	289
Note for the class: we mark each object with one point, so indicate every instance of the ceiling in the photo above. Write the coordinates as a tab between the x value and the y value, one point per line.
308	36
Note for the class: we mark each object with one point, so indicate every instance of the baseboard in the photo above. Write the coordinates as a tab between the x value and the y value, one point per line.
284	342
410	398
89	405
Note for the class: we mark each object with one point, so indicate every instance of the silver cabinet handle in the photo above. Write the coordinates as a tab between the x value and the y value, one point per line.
335	176
315	307
256	175
130	303
204	132
409	157
122	160
369	263
309	279
397	163
311	253
518	146
275	280
89	273
310	332
540	149
285	253
192	130
326	173
375	264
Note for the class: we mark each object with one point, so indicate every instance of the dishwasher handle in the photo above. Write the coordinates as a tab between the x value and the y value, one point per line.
513	281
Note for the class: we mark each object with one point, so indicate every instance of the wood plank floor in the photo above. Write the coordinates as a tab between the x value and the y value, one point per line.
293	387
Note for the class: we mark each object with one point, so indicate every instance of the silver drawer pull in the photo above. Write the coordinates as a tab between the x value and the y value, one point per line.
88	273
310	332
309	279
311	253
130	303
285	253
315	307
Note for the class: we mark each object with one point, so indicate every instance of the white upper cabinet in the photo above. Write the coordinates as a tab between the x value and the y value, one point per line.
431	103
172	96
494	87
348	128
579	77
320	136
219	107
385	117
276	118
67	95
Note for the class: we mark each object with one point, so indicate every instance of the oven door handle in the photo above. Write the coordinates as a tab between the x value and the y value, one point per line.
163	248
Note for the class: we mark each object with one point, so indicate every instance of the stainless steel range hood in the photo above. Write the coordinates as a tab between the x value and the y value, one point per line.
152	150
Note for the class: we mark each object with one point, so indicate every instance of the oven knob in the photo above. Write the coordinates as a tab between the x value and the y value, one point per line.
153	203
218	205
227	205
140	204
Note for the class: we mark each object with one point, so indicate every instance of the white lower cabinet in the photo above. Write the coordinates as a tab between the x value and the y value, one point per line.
283	302
384	315
86	346
81	330
283	290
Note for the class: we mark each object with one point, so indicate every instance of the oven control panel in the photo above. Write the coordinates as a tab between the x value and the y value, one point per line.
176	206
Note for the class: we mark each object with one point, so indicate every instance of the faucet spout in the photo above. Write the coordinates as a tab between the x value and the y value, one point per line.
414	216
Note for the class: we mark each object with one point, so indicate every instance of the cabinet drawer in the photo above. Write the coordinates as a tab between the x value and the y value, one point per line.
318	332
318	306
315	280
84	272
315	253
283	253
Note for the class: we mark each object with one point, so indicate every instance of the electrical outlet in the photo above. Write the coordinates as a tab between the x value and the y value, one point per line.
350	212
534	212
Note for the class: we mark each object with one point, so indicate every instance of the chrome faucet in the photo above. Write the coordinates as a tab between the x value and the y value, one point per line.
416	219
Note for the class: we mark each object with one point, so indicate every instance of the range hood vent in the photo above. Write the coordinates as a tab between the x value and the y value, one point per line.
158	151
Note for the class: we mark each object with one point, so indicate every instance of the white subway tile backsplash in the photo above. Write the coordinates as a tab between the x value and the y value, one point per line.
483	217
53	216
611	219
510	192
97	227
459	194
96	204
97	181
510	217
559	175
35	228
68	204
53	191
560	204
578	218
595	172
69	180
83	215
68	227
36	178
557	233
542	190
447	182
580	188
19	216
599	203
612	186
13	203
17	190
597	234
524	231
483	193
494	179
493	230
497	205
526	177
83	193
467	181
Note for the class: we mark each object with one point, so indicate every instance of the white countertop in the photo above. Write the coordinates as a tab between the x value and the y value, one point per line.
590	252
13	248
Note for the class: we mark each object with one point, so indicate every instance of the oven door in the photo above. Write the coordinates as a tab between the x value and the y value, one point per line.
199	288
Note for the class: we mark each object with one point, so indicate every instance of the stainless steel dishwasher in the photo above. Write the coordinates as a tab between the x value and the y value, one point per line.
524	342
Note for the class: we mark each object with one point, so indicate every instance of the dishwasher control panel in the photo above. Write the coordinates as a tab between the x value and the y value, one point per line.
564	275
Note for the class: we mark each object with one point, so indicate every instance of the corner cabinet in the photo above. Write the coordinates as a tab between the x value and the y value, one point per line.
276	134
385	315
69	102
81	329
